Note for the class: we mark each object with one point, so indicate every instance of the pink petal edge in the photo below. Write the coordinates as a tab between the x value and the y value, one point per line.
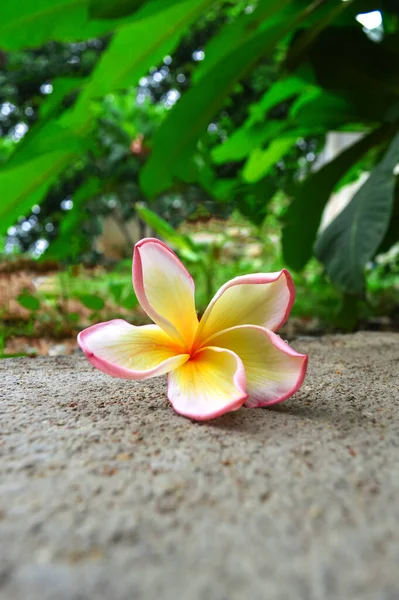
239	381
257	278
286	348
110	368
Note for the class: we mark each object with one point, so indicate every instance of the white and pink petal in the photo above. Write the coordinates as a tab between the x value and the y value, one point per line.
123	350
274	371
263	299
165	290
208	385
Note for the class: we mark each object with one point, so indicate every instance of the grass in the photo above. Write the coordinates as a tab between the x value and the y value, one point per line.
68	301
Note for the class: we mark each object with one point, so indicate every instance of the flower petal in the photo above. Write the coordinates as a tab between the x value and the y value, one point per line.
274	371
263	299
165	289
123	350
208	385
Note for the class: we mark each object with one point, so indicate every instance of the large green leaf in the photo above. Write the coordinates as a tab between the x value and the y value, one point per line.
354	236
31	23
175	142
391	237
303	216
26	184
234	35
34	166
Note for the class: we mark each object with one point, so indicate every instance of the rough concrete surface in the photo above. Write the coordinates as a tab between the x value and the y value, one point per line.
106	493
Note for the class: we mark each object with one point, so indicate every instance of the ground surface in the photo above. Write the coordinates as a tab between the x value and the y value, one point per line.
105	493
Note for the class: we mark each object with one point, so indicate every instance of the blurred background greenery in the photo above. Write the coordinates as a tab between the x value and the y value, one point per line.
249	135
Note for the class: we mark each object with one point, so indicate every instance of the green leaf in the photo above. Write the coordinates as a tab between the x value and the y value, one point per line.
253	200
348	63
104	9
303	216
282	90
322	111
244	140
175	141
220	188
27	183
92	301
233	35
29	23
298	49
28	301
47	149
353	237
392	235
261	161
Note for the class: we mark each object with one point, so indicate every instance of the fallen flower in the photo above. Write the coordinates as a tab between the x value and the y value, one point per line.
229	358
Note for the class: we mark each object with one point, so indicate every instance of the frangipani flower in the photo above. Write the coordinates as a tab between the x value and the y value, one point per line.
229	358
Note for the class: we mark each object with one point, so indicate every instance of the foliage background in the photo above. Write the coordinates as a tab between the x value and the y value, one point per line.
183	111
